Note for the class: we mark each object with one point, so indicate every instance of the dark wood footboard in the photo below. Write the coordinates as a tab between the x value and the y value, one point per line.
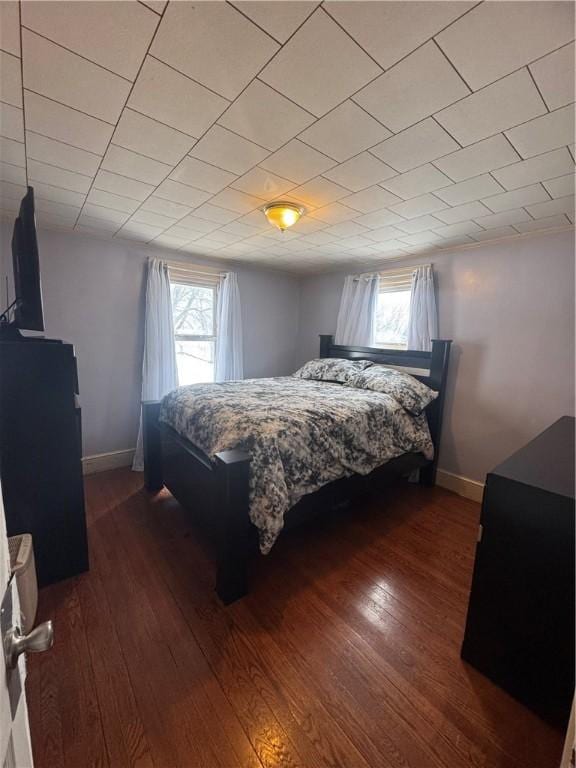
217	492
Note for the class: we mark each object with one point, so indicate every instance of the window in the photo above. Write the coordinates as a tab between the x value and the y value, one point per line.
393	309
194	316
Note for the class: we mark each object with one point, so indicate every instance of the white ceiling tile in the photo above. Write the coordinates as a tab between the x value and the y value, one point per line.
11	121
319	66
265	116
552	207
152	219
57	177
12	173
499	106
415	146
344	132
181	193
554	76
263	184
421	224
278	19
108	200
333	214
380	218
134	166
418	206
544	133
382	234
94	223
541	168
59	195
424	179
421	238
455	230
549	223
349	230
195	224
62	155
9	191
116	39
120	185
389	31
462	212
307	224
419	85
454	242
148	137
228	151
165	207
297	162
320	192
10	27
561	187
495	39
239	229
172	98
215	214
493	234
518	198
65	124
504	218
63	76
12	152
213	44
169	241
138	231
371	199
68	212
107	214
318	238
155	5
234	200
360	172
11	80
485	156
201	175
467	191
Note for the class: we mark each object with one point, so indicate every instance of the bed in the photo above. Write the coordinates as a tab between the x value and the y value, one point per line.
252	458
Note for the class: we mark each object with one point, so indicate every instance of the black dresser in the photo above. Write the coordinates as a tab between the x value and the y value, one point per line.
40	453
520	625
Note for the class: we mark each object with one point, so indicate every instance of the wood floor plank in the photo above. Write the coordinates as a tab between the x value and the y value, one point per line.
344	655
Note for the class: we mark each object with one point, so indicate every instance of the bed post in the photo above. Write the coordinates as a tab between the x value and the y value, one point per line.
152	445
238	535
326	341
438	375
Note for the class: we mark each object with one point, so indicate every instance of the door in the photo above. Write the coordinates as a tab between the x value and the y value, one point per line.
15	746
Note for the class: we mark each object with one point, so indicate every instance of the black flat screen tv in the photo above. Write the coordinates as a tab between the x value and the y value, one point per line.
28	313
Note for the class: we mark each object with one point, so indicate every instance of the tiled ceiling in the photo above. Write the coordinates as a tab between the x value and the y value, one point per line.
401	127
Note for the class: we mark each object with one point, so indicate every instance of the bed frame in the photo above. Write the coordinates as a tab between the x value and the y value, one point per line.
216	492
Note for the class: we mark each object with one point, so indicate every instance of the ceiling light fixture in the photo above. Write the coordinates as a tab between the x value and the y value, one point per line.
283	215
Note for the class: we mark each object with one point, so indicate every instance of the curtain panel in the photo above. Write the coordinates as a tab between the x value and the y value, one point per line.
355	323
423	318
159	370
229	362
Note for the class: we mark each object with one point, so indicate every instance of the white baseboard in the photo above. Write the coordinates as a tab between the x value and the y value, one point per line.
101	462
463	486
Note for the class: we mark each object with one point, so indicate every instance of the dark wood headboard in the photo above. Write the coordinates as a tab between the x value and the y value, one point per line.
429	367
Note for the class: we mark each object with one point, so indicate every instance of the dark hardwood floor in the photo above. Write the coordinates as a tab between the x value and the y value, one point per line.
346	652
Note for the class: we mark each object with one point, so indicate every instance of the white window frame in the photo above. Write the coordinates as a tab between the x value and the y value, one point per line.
393	281
199	277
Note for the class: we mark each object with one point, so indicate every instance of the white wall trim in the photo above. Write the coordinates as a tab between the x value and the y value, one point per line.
101	462
463	486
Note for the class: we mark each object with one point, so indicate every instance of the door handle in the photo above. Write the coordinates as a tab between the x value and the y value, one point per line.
15	643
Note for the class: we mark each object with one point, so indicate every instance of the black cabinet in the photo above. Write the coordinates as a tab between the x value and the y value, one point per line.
520	625
40	454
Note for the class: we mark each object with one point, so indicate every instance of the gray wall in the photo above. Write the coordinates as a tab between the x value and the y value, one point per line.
93	293
509	307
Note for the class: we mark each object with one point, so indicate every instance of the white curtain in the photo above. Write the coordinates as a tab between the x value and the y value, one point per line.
229	357
423	319
355	323
159	370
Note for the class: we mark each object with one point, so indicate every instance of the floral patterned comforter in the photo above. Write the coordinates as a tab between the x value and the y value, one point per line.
301	434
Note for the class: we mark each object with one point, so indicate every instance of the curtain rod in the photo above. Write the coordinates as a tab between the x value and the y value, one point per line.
389	272
194	269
